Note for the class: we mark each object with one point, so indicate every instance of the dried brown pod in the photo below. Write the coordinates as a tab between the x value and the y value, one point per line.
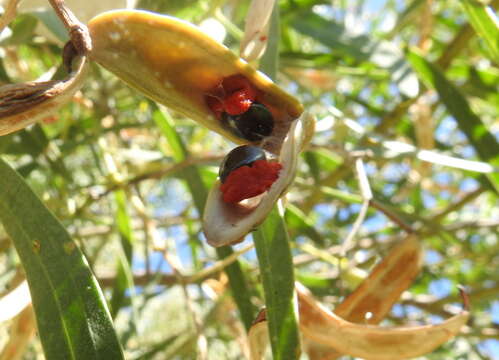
371	341
377	293
24	104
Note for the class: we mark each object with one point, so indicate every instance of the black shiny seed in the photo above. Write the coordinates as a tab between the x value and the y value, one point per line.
253	125
244	155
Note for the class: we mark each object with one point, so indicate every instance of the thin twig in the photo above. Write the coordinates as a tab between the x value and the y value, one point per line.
219	265
168	170
78	32
392	216
426	27
459	204
367	195
348	243
9	14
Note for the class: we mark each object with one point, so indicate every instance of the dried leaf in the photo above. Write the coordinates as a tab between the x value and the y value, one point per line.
256	29
22	331
258	337
384	285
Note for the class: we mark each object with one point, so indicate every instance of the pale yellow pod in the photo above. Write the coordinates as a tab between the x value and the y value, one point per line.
174	63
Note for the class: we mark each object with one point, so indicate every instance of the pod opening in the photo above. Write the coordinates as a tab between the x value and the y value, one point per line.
236	103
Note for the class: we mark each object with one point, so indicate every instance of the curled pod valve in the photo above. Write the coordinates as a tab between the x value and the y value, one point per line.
227	219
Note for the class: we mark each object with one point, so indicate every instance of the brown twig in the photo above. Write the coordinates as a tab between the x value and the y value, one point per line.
392	216
465	297
78	32
80	43
458	204
168	170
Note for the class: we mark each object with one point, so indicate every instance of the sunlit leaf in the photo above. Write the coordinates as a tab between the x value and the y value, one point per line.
484	20
124	278
72	316
276	269
470	124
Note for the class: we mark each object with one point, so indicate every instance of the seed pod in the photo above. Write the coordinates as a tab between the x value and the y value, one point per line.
176	64
370	341
255	124
377	293
244	155
227	223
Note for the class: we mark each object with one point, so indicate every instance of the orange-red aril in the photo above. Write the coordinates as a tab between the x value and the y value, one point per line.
249	181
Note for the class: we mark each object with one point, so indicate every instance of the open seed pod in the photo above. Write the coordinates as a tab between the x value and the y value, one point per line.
377	293
24	104
176	64
227	223
371	341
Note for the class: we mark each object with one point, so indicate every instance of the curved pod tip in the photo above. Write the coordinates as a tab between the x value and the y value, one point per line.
24	104
174	63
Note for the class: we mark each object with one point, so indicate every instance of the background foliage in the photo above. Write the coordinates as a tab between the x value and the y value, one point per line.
400	84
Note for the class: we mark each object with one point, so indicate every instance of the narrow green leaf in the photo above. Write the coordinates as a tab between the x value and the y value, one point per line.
4	77
276	271
23	28
49	18
124	276
274	253
485	23
302	225
192	176
331	34
239	287
313	165
342	195
457	105
362	48
72	317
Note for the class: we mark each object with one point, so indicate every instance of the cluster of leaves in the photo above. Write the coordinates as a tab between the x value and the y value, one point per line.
409	87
